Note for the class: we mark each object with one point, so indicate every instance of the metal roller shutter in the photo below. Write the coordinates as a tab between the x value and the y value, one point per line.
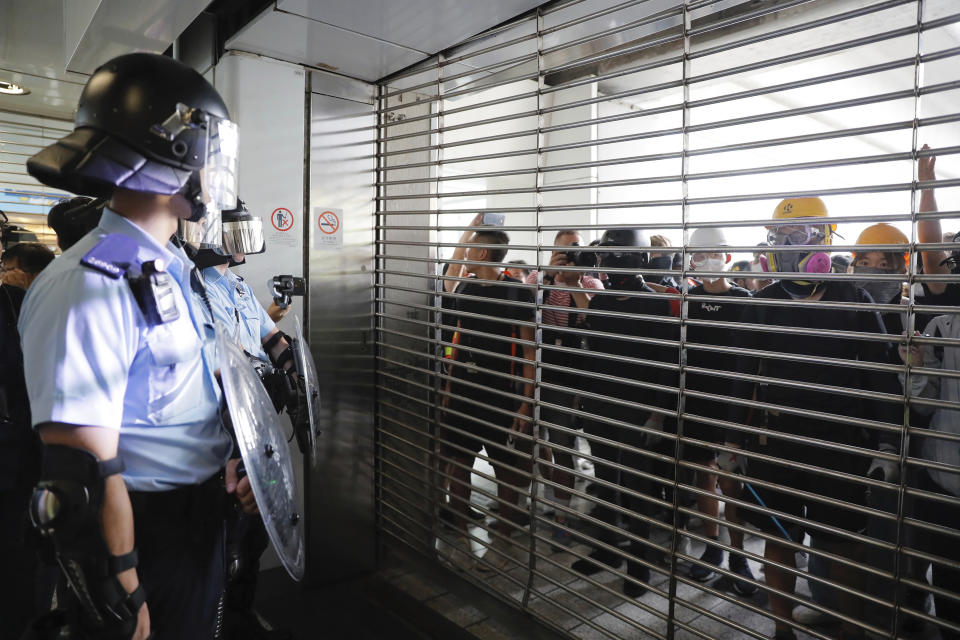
680	119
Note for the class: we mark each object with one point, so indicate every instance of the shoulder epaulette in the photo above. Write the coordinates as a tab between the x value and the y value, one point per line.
112	256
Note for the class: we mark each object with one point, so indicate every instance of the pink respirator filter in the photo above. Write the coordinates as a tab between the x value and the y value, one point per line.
818	262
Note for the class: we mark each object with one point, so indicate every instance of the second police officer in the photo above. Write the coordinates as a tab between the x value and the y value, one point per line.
121	376
245	321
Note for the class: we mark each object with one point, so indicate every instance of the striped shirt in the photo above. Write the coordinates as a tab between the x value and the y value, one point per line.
555	298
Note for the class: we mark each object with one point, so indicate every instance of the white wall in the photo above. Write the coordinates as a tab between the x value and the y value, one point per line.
266	99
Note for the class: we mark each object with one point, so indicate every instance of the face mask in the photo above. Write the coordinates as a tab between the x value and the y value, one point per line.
882	292
710	264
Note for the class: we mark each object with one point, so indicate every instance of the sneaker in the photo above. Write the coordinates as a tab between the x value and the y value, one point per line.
807	616
597	558
639	572
738	565
633	590
458	553
712	557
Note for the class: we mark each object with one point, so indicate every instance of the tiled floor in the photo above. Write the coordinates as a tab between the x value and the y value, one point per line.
579	608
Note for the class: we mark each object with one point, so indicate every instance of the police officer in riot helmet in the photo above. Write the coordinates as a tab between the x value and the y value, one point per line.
121	375
246	321
620	460
73	218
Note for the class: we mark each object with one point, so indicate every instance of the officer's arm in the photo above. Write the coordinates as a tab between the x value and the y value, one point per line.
459	253
275	343
117	514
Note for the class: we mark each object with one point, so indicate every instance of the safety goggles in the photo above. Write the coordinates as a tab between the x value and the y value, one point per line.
700	258
797	234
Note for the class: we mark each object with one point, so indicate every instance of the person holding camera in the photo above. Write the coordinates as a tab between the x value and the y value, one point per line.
486	400
560	432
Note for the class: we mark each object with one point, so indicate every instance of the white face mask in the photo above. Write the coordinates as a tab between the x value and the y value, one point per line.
709	264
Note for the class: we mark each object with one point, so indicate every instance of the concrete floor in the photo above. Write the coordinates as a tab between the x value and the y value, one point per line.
413	596
596	607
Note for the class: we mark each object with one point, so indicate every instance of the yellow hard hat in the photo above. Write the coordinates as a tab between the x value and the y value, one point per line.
883	233
803	208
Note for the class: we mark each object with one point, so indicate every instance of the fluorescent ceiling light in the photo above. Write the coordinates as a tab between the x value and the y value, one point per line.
13	89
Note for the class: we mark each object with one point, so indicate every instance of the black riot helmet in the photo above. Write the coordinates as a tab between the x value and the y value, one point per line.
145	122
610	258
73	218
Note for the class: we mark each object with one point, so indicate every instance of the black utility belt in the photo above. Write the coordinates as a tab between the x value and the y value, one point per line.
196	501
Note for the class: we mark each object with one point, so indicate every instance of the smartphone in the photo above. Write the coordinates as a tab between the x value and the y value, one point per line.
493	219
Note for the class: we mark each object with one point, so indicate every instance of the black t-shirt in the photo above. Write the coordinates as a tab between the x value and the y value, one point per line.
491	326
949	298
714	336
633	325
825	344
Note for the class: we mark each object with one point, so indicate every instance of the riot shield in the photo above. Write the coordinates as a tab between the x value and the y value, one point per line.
266	455
308	376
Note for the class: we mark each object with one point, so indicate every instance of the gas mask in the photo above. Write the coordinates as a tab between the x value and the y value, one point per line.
804	261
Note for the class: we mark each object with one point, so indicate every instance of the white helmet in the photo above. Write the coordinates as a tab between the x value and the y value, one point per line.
708	237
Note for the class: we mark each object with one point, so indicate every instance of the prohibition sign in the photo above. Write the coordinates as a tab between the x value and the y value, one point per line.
328	222
282	219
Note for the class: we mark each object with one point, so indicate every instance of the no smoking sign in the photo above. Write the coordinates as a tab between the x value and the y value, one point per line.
328	228
329	222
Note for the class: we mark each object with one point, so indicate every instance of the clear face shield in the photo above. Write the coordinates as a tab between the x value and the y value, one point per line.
213	188
218	178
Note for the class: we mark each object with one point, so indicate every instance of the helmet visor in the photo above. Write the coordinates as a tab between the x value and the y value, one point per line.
218	178
243	236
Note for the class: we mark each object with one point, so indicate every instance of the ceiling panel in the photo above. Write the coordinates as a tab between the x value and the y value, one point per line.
31	55
425	25
116	27
289	37
39	39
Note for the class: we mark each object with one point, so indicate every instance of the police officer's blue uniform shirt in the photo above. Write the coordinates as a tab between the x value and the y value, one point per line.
94	361
237	310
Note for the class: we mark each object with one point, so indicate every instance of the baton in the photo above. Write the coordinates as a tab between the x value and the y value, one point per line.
772	517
